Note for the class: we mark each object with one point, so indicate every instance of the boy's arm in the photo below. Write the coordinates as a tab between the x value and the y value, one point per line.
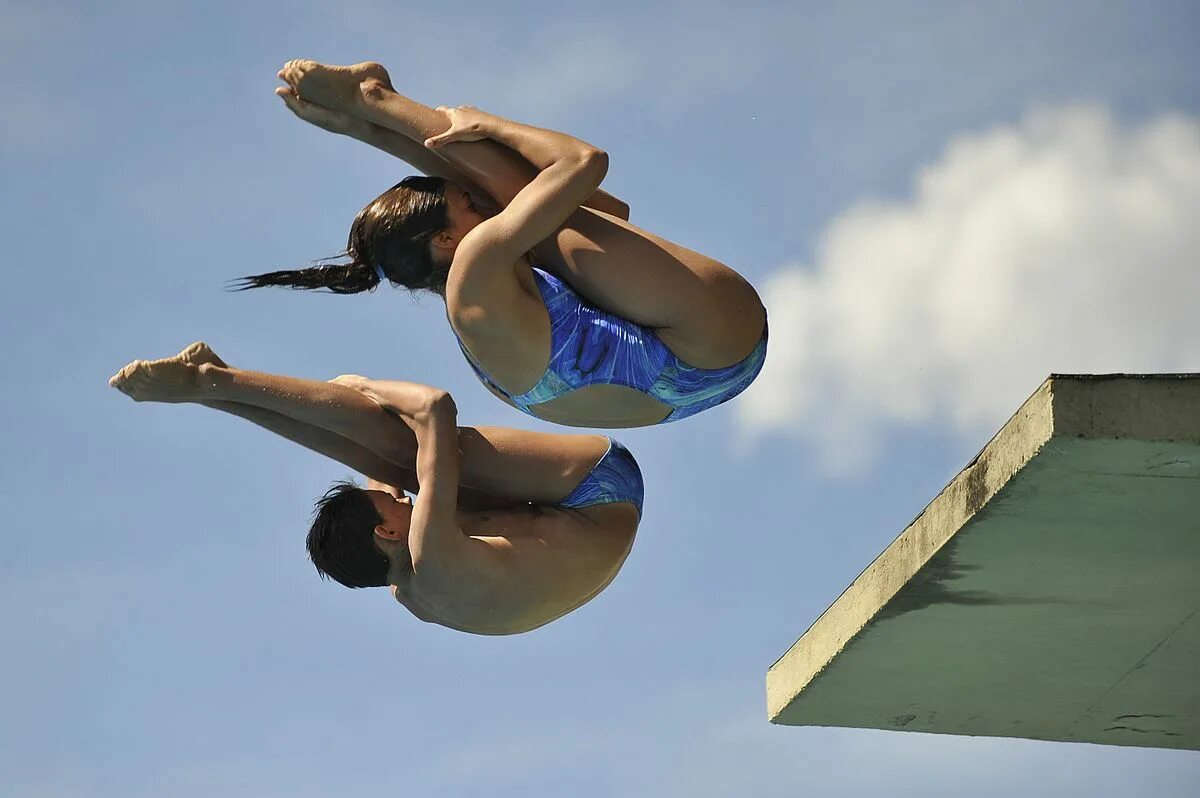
433	418
435	541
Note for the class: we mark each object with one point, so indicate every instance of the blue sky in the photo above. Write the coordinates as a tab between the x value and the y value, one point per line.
162	629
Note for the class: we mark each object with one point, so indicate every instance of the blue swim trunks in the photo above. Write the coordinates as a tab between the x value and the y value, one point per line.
589	346
616	478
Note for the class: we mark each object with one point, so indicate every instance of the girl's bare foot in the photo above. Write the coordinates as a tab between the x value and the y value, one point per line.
171	379
199	353
334	87
355	381
341	122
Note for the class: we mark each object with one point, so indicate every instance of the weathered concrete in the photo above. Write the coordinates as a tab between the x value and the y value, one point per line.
1051	591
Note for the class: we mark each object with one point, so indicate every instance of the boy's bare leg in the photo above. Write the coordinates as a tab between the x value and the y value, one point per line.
496	462
328	406
383	474
396	476
315	439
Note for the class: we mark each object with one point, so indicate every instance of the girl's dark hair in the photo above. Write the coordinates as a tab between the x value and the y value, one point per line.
341	541
393	232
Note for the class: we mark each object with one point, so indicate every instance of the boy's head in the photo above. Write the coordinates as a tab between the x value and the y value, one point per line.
357	535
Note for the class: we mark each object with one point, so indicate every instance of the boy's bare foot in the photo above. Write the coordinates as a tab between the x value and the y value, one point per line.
171	379
334	87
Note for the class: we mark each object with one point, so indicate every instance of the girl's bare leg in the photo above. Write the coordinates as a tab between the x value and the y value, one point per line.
494	168
498	170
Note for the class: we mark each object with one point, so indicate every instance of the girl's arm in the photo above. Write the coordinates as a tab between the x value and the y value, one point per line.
570	170
541	147
497	169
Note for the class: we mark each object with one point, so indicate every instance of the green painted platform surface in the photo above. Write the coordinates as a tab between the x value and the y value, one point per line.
1051	591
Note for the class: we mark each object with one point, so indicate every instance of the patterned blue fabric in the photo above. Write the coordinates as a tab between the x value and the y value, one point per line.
616	478
589	346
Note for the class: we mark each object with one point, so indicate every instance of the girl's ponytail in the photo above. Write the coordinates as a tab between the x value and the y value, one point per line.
389	238
340	278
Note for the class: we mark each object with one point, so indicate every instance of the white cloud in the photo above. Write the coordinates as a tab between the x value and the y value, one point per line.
1066	243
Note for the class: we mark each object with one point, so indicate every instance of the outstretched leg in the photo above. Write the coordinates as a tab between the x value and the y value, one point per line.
498	465
364	91
384	474
310	437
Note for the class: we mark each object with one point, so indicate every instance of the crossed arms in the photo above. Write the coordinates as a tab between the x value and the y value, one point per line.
381	429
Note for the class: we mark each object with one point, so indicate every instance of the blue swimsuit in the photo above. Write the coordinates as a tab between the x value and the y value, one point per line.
589	346
616	478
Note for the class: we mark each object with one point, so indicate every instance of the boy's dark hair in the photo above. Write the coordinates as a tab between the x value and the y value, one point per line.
389	238
341	541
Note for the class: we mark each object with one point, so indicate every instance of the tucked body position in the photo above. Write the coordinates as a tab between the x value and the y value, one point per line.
508	530
563	308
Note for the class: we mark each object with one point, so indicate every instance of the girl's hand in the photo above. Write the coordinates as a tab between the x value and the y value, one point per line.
355	381
334	121
466	124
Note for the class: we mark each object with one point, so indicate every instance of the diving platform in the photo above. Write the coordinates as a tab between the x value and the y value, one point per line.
1051	591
